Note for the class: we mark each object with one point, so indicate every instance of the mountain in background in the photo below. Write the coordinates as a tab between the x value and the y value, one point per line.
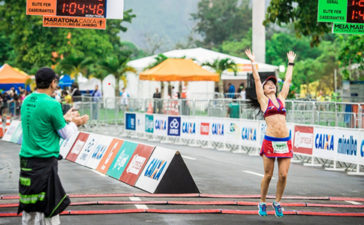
161	24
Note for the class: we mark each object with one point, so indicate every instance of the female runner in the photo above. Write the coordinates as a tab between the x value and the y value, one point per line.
277	141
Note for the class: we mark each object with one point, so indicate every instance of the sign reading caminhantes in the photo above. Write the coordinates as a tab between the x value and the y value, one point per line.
74	22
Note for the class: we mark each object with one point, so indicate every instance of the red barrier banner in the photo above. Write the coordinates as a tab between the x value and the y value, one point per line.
303	140
136	164
77	146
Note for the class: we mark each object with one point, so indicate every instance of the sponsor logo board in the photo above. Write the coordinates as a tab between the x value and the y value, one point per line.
174	126
155	169
136	164
77	146
303	139
121	160
110	154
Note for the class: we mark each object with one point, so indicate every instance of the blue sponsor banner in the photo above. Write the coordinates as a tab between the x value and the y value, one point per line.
362	149
249	134
347	145
130	121
149	123
189	127
324	141
174	126
217	129
155	168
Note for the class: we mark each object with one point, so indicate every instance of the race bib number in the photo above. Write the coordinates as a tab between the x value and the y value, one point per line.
280	147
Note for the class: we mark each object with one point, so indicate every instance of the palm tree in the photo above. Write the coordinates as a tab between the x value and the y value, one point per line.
220	65
74	65
118	67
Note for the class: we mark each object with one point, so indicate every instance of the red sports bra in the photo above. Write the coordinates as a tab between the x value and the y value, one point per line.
273	110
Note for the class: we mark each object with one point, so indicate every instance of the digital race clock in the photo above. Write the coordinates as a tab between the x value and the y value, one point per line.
355	11
83	8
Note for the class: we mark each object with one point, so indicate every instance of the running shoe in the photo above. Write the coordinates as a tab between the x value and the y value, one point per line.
277	209
262	209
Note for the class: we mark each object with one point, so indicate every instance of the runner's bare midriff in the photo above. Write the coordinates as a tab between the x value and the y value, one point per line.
276	126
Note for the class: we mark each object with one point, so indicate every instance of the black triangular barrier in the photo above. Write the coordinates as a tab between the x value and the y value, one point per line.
177	178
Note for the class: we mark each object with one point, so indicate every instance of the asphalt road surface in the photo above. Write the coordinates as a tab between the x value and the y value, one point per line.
214	172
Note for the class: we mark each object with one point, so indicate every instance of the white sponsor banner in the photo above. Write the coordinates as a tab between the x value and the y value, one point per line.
204	128
348	144
67	145
140	122
99	149
325	144
249	133
160	125
11	130
87	149
217	129
261	132
361	148
189	129
233	131
155	169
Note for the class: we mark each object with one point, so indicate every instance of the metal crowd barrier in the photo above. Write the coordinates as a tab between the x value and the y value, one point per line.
111	110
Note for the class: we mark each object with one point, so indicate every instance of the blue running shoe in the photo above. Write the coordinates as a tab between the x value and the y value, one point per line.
262	209
277	209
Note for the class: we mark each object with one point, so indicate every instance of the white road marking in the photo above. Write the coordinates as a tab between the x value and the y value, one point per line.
188	157
353	202
254	173
136	199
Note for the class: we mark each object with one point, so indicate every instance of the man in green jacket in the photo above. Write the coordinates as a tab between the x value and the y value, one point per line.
42	196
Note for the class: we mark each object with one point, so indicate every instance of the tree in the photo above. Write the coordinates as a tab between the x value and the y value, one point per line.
237	48
218	21
351	57
303	15
118	67
73	65
32	44
220	65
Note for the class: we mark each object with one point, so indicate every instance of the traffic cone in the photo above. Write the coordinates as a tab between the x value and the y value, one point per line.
150	108
1	128
8	121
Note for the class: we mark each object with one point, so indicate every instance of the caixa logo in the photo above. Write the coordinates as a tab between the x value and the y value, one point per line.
155	169
99	152
362	148
160	124
249	134
324	142
347	146
189	128
217	129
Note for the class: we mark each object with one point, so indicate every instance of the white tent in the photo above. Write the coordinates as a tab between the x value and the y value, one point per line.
200	55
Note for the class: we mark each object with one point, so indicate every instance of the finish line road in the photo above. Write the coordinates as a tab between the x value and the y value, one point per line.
218	173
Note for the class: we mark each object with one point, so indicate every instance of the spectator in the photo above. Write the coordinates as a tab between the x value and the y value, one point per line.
96	97
124	99
234	109
157	101
231	91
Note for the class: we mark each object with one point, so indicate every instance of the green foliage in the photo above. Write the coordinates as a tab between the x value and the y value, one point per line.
218	20
303	15
237	48
32	45
281	43
351	52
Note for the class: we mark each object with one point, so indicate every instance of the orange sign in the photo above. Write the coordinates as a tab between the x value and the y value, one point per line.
74	22
41	7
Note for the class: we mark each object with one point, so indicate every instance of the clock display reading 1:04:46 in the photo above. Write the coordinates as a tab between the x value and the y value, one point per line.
355	12
83	8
